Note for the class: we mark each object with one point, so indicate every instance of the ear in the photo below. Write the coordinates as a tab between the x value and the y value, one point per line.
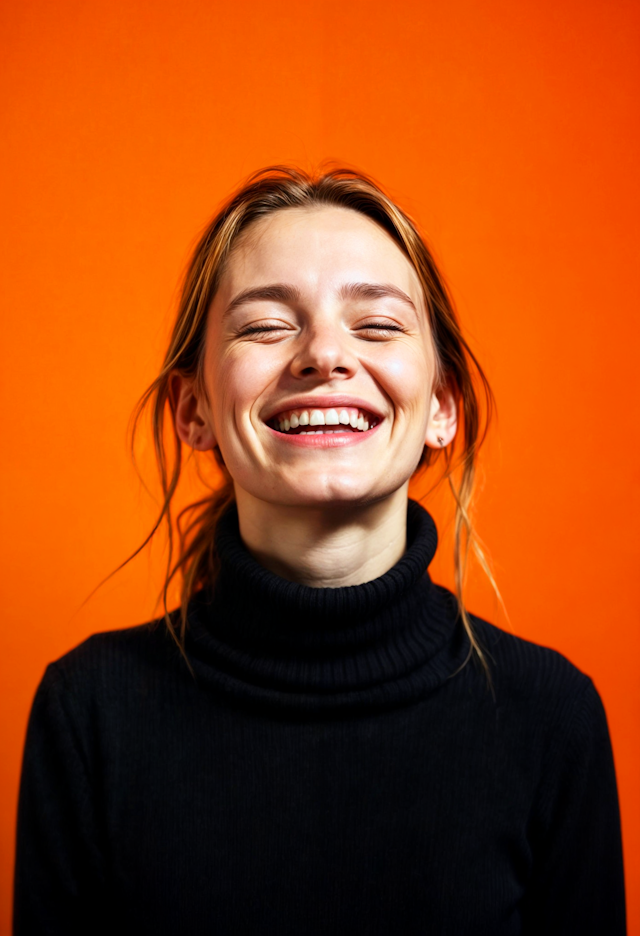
192	420
443	419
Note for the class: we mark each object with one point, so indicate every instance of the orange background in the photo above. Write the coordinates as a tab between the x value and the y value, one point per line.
508	128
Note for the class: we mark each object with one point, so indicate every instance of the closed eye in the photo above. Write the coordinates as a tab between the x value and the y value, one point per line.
380	329
377	329
259	330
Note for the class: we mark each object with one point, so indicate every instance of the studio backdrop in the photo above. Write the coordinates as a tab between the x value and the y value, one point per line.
508	130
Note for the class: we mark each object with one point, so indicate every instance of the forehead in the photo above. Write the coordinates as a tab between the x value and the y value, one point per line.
316	249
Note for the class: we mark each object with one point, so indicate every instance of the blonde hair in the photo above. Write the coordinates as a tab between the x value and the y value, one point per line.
266	191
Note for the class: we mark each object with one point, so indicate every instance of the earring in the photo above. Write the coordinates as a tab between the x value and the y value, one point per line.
440	440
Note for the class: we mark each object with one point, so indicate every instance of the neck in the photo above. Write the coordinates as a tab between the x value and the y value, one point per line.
325	547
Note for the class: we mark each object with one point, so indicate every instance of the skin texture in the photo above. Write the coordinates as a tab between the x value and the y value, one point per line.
321	513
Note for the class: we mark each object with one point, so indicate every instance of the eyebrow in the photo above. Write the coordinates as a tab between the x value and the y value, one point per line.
277	292
283	292
375	291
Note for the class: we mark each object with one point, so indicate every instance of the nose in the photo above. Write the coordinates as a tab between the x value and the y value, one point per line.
324	353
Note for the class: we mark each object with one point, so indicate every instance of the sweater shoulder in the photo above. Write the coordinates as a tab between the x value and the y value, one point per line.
113	657
527	674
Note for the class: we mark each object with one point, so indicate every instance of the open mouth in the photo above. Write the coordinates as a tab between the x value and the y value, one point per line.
344	419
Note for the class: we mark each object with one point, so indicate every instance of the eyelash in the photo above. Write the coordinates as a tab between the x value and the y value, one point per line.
260	329
257	329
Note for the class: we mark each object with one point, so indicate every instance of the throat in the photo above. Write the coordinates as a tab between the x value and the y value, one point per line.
325	546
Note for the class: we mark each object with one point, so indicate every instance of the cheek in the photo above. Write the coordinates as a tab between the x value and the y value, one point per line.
238	380
407	376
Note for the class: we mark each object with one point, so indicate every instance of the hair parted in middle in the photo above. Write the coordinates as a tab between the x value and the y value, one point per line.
192	550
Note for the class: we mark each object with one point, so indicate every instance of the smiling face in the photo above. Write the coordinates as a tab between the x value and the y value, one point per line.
319	367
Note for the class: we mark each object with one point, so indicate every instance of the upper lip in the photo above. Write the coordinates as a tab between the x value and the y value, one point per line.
322	402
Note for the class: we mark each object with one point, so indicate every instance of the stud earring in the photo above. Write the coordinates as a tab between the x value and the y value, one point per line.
440	440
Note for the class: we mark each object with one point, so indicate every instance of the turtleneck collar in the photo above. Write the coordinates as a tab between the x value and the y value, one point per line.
264	639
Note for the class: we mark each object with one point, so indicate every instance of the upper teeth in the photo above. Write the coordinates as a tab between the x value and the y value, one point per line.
348	416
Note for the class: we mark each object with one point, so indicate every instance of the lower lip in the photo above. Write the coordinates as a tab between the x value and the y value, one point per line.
328	440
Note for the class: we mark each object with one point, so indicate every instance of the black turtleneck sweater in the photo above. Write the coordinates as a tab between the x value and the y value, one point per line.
330	767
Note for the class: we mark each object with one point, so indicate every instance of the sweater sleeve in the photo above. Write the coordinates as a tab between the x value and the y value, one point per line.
59	865
577	884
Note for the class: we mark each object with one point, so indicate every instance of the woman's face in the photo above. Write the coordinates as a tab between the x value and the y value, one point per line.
319	366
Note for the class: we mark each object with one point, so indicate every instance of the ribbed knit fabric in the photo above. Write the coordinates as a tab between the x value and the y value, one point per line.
284	645
331	766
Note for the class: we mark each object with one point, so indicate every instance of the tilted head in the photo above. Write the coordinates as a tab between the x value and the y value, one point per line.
311	290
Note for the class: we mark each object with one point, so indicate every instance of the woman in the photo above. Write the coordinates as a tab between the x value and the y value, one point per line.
321	740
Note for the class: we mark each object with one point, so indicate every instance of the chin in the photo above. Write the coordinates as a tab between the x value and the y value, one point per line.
334	492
